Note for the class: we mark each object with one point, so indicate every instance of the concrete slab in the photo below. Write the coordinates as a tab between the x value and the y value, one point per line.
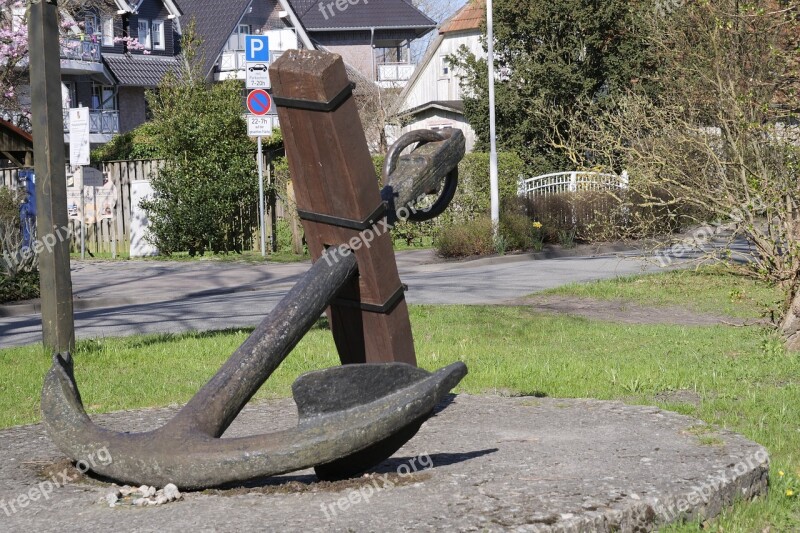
484	463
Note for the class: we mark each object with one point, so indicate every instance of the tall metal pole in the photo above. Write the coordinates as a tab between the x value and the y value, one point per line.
58	327
493	183
262	221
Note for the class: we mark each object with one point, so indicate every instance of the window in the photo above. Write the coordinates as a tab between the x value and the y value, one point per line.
107	28
69	95
144	34
236	39
103	97
444	67
90	25
158	34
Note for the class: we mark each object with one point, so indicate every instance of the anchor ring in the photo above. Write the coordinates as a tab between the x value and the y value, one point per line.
422	137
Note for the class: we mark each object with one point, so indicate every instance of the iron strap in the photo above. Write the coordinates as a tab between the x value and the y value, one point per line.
313	105
348	223
384	308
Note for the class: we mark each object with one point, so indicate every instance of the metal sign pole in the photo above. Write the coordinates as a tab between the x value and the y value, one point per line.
83	220
261	218
58	327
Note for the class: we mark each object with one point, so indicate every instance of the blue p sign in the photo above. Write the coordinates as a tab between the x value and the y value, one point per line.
256	48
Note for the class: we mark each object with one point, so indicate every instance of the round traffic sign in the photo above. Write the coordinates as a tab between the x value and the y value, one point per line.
258	102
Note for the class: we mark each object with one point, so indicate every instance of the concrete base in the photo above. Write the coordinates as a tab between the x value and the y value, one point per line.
484	463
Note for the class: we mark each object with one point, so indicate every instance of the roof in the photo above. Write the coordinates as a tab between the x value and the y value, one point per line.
464	17
215	21
140	70
456	106
380	14
469	17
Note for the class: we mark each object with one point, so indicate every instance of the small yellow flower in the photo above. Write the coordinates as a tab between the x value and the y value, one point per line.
789	493
780	473
537	225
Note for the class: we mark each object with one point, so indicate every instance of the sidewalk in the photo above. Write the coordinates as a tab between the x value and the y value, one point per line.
99	284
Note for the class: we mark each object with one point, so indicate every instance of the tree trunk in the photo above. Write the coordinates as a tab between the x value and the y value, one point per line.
790	326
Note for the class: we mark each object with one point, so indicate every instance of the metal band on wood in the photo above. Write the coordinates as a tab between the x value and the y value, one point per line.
348	223
312	105
384	308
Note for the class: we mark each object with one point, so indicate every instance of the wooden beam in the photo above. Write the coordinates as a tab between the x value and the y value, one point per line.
333	176
58	328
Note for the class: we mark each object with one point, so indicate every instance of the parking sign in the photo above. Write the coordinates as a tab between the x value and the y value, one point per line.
256	48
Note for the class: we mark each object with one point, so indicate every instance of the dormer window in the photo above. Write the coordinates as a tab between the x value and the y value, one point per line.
144	34
158	34
107	28
151	34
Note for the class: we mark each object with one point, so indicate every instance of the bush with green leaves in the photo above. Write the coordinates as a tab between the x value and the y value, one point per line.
205	194
19	275
472	197
209	180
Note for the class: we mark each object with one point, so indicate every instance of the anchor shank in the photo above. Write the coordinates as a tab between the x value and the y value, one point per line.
216	405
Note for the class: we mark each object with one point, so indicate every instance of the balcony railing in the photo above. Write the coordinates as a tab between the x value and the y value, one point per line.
101	121
77	50
395	71
231	61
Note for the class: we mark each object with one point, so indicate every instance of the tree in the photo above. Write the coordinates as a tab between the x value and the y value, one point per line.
13	55
550	54
14	50
209	180
719	144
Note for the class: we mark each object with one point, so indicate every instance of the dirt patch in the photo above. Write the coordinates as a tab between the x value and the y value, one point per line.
374	480
627	312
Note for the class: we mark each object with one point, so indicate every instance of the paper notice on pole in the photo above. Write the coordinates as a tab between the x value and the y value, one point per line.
79	136
74	203
106	200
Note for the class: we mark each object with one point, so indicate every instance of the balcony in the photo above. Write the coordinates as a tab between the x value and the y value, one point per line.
80	57
103	124
231	63
394	74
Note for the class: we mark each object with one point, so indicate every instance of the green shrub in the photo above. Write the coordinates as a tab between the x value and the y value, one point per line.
516	231
23	286
473	237
473	195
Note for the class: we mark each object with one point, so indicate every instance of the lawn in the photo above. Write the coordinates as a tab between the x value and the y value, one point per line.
745	381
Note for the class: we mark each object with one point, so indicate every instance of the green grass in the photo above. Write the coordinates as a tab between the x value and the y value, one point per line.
746	381
709	290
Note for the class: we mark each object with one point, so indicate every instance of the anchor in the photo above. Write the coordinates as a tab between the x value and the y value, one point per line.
351	417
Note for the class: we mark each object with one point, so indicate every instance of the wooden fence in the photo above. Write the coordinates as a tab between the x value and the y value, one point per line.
105	236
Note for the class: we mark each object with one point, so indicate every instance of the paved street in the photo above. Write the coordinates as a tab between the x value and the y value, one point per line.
150	297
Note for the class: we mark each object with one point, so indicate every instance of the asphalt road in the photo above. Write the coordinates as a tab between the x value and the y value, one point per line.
245	303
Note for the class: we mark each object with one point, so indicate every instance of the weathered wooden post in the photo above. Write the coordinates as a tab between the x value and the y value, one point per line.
58	327
332	171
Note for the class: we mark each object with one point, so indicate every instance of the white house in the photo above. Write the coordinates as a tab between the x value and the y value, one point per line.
432	97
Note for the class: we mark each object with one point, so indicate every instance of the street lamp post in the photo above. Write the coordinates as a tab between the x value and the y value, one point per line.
493	185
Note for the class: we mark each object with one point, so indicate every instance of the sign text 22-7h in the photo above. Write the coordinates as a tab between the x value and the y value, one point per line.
257	58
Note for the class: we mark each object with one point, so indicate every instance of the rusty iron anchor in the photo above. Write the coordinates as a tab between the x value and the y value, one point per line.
350	417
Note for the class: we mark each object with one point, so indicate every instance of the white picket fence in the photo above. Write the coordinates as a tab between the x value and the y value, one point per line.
574	181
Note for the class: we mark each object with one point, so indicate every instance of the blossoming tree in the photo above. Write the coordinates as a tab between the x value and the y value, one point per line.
13	60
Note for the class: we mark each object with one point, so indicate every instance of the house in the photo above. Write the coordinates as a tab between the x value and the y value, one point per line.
111	54
113	51
374	38
432	97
